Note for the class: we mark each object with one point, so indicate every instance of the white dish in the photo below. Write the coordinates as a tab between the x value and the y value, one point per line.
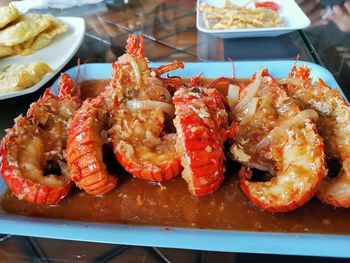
56	55
292	16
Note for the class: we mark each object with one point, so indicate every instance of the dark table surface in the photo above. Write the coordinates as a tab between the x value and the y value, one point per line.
170	32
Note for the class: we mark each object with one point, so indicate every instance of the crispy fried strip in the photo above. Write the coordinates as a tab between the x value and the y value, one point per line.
233	16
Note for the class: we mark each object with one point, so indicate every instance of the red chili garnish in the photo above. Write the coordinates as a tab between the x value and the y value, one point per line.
269	5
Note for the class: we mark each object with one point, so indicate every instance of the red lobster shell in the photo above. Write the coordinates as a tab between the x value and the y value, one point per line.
201	122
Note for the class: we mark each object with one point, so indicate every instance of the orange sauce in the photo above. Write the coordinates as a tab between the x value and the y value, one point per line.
171	205
92	88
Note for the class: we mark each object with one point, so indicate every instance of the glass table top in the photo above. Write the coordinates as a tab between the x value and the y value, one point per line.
170	32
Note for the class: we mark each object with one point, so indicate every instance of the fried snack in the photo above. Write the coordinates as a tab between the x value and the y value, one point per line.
6	51
22	49
19	77
37	42
43	39
7	15
28	26
233	16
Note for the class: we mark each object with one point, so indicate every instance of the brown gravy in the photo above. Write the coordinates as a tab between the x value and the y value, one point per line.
171	205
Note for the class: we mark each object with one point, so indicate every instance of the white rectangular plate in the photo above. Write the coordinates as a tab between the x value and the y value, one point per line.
56	55
292	16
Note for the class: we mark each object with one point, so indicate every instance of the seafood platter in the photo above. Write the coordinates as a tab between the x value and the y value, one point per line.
214	156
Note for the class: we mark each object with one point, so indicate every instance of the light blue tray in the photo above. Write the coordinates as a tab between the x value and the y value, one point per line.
215	240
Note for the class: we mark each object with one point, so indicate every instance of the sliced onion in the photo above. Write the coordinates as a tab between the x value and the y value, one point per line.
251	107
281	129
249	110
301	117
252	90
149	105
128	58
232	95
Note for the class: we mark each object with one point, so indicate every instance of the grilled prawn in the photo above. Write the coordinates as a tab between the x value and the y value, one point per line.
137	124
32	150
140	147
201	123
84	150
333	125
274	136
